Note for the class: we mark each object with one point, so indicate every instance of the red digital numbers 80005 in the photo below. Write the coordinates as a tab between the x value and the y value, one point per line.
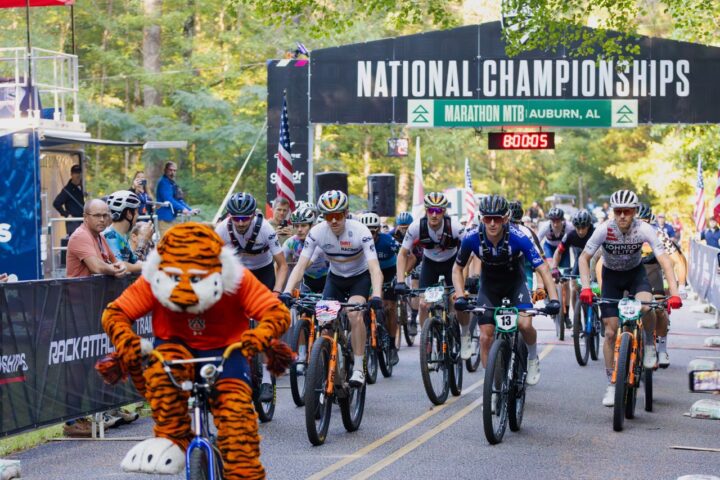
521	140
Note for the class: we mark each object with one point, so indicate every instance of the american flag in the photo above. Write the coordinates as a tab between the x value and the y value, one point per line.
699	211
716	202
470	205
284	184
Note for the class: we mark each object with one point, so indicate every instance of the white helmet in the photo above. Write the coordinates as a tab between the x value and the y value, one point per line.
120	200
624	199
370	220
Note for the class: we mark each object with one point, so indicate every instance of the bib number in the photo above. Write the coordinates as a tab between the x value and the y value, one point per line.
506	319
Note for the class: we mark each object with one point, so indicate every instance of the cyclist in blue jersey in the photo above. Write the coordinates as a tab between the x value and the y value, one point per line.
386	248
302	219
502	249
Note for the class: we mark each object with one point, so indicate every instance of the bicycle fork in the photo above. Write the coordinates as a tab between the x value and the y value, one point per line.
330	389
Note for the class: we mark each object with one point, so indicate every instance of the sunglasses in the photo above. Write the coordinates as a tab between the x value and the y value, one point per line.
435	210
623	211
241	218
488	219
337	216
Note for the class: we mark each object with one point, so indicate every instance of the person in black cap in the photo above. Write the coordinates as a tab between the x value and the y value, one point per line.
70	201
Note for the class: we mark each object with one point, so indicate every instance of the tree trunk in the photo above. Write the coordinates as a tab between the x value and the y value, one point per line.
151	50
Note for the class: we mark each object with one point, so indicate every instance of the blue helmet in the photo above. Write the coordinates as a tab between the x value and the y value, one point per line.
403	218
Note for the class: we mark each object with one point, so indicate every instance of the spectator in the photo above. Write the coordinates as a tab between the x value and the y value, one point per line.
605	208
283	228
169	191
665	226
678	226
535	212
140	239
124	206
711	234
590	205
71	200
139	188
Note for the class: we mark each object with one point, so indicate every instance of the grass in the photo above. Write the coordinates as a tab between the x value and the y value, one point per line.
24	441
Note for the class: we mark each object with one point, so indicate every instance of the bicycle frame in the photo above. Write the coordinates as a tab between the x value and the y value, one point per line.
336	326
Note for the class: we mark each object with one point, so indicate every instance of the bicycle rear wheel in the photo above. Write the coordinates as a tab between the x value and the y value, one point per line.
473	363
383	351
455	361
371	361
581	338
648	382
597	330
299	343
352	406
265	410
560	317
495	392
318	406
623	389
433	364
409	320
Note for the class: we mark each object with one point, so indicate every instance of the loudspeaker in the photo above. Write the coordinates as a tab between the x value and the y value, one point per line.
325	181
381	194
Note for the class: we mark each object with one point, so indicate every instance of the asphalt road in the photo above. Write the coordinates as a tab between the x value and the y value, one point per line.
566	432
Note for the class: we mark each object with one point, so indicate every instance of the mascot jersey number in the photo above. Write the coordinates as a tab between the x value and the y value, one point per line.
201	298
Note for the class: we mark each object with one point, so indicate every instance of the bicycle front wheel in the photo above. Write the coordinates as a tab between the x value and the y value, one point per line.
496	391
560	317
455	361
473	363
371	361
433	364
516	396
623	389
265	410
581	338
199	466
299	344
318	406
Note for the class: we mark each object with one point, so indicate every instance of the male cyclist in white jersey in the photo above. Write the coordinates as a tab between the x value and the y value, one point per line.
622	239
439	236
354	267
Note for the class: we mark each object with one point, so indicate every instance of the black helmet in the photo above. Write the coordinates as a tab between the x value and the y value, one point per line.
493	205
241	203
516	211
556	213
644	212
582	219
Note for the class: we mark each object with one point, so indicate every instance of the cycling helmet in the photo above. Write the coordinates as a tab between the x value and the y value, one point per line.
119	201
582	219
516	211
624	199
403	218
493	205
332	201
556	213
644	212
370	220
302	215
241	203
436	199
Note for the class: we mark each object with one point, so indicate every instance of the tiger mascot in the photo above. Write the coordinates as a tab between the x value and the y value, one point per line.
201	299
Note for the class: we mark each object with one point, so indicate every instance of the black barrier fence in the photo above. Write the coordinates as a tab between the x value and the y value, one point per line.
703	275
50	339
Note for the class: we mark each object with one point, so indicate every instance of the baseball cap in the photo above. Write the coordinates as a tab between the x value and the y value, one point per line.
76	169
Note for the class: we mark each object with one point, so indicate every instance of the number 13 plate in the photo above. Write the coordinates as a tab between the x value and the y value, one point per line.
506	319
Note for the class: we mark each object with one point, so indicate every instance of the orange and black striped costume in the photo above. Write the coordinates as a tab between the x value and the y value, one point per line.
199	294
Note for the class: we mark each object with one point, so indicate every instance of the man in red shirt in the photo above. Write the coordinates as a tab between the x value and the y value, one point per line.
88	252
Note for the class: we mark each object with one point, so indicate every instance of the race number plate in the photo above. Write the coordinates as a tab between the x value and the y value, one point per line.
506	319
326	311
434	294
629	309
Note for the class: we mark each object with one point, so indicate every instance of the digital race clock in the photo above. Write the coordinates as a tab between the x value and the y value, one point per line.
521	140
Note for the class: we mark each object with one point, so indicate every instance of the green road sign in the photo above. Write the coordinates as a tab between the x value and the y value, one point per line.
539	113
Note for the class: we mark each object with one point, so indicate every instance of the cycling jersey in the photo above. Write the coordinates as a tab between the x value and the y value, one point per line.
531	235
416	250
119	245
501	261
550	236
266	243
386	248
348	253
318	263
623	251
437	253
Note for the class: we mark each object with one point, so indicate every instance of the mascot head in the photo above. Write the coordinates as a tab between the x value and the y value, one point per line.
191	269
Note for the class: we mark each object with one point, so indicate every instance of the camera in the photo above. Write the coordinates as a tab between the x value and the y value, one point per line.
143	182
284	223
704	381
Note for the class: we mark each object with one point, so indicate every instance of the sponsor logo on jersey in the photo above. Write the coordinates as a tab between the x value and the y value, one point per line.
611	235
622	248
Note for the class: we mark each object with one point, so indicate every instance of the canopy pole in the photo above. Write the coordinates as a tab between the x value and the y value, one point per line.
72	26
28	80
27	25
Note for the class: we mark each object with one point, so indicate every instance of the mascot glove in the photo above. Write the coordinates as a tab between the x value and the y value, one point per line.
252	343
586	296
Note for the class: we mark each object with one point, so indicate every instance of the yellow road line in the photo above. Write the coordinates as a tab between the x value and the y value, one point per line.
324	473
401	452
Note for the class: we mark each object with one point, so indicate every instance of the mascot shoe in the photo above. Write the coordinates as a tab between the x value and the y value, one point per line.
154	455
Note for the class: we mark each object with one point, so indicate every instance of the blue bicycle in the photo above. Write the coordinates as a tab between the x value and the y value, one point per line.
588	327
203	460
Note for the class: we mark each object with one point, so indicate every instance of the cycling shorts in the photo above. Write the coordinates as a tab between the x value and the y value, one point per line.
492	293
549	251
313	285
431	271
615	283
342	288
266	275
655	278
388	276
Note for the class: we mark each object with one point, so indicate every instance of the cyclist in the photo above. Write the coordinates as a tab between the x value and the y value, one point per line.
124	206
354	267
621	240
552	232
413	260
256	243
439	236
386	248
302	219
516	217
582	222
502	248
